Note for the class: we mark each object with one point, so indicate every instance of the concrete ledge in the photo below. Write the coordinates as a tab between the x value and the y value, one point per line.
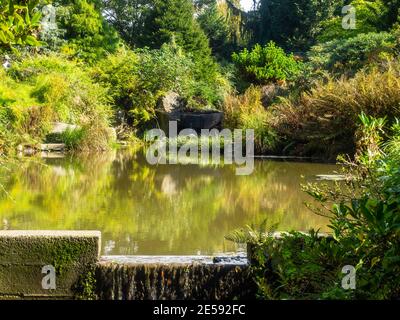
23	254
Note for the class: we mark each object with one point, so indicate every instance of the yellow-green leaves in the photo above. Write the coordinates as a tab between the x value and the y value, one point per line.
18	23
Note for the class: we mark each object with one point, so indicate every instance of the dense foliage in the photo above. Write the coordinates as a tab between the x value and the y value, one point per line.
287	69
294	23
369	18
266	64
350	55
19	23
40	90
364	219
88	37
155	22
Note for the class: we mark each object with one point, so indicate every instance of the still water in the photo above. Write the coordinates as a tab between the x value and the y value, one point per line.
155	210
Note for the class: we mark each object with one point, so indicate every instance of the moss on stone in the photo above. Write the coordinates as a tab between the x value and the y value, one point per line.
85	288
23	254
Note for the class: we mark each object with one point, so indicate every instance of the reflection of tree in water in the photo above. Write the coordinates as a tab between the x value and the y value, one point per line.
148	209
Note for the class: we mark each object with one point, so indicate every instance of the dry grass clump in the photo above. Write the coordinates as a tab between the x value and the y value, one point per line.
325	119
247	112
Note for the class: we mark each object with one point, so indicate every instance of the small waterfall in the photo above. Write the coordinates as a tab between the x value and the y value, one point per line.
187	280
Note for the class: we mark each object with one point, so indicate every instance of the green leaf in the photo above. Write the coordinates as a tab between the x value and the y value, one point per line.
32	41
27	18
3	38
36	18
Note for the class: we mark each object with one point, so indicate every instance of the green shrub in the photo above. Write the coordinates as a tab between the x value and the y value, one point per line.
350	55
137	79
266	64
370	17
42	89
365	213
19	23
300	267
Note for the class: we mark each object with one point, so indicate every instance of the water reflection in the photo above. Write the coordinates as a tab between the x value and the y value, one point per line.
144	209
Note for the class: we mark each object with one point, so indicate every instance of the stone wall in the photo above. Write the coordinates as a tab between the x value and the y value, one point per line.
28	257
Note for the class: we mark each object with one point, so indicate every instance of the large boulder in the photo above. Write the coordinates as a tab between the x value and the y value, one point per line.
172	104
270	93
60	127
169	108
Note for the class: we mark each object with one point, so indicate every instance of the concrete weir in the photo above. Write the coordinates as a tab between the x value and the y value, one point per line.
164	278
67	265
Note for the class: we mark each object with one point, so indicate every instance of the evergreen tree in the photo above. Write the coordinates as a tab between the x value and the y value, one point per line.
224	24
88	36
174	19
294	23
128	18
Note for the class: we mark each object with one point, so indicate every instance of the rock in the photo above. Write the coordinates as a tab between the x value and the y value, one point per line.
7	63
52	147
270	92
60	127
331	177
169	108
112	134
172	104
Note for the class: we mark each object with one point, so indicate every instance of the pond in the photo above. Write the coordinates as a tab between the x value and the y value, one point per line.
155	210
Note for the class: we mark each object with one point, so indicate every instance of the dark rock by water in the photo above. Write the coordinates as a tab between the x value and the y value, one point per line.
172	107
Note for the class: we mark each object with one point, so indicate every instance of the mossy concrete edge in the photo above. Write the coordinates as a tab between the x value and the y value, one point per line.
26	255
